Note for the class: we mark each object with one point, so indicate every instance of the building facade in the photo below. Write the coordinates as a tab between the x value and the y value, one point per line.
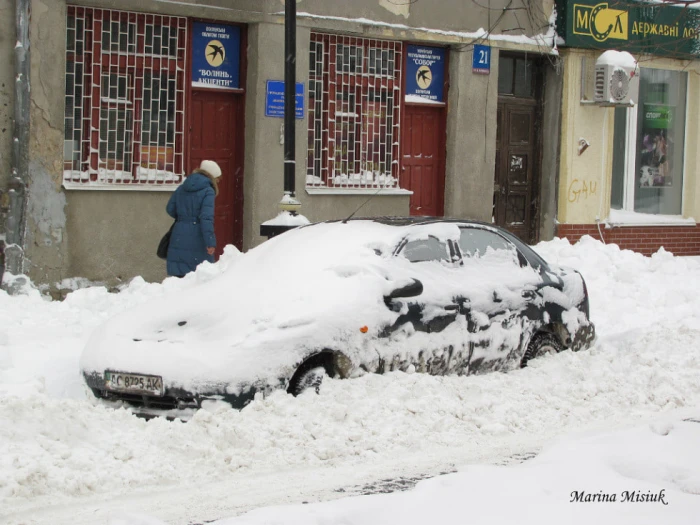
629	173
414	106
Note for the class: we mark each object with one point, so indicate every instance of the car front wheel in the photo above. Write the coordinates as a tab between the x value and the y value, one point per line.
541	344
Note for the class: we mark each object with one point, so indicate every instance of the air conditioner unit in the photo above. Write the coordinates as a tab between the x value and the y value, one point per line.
616	79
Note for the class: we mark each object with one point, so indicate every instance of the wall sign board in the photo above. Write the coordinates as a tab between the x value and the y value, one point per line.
274	100
481	59
216	52
425	72
653	28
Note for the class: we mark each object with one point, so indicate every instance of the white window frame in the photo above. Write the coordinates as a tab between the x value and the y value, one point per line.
630	174
630	159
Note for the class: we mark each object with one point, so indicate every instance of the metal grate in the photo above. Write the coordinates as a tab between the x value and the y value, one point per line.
125	98
354	112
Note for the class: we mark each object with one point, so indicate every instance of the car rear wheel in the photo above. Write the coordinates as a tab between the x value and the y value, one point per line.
543	343
310	379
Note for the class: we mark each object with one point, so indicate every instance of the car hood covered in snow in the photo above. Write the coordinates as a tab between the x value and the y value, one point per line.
310	289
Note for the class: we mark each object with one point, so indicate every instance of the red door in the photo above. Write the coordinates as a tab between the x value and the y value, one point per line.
423	158
216	134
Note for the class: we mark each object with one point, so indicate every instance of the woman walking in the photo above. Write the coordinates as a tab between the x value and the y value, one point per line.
192	206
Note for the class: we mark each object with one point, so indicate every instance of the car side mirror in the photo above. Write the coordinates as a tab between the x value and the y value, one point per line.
412	289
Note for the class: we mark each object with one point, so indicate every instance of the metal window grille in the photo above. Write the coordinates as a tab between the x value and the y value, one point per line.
125	98
354	112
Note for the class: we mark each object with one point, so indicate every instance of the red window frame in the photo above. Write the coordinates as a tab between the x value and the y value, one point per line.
129	55
354	131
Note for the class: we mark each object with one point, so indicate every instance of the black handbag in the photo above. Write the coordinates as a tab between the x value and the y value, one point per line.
162	250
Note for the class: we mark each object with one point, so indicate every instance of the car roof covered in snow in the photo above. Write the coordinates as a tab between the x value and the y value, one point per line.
409	221
533	257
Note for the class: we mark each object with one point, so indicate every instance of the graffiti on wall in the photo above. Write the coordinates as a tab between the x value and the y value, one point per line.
581	189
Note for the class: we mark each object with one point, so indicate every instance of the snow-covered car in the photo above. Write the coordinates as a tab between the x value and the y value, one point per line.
342	298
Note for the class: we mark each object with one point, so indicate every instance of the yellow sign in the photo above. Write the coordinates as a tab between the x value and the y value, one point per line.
424	77
215	53
600	22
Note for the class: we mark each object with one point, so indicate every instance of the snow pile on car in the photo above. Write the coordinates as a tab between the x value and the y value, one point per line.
300	293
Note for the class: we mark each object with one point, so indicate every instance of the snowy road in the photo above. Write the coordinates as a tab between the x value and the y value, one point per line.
66	460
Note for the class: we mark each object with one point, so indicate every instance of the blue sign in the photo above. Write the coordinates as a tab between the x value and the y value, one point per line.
425	72
274	101
481	60
216	53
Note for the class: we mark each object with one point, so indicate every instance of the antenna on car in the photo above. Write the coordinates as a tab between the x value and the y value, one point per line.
361	205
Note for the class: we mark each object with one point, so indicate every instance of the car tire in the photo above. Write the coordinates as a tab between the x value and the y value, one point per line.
541	344
308	379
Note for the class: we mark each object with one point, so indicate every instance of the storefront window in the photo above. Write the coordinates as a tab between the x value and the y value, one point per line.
648	146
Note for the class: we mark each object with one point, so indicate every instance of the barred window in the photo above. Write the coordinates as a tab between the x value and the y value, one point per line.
354	112
125	99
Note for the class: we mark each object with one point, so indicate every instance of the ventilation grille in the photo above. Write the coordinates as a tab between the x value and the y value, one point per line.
599	93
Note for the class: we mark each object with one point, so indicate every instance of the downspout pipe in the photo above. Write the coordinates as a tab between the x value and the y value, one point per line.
15	225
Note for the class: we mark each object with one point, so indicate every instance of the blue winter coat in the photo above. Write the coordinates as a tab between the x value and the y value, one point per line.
192	207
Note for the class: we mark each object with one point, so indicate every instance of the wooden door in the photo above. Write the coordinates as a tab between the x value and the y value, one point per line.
423	158
216	134
515	197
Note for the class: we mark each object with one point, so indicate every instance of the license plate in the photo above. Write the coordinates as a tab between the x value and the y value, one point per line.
133	383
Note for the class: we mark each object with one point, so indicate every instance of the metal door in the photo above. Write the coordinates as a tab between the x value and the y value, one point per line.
423	159
216	134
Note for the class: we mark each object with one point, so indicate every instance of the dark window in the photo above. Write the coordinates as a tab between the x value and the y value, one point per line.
381	62
505	75
523	78
348	59
515	76
316	59
158	114
118	36
422	250
475	242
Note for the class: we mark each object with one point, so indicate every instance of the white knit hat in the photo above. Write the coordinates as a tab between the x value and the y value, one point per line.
211	167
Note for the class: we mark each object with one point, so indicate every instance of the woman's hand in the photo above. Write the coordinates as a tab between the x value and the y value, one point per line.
211	249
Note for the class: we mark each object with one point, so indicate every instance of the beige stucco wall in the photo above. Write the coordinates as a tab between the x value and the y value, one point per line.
592	170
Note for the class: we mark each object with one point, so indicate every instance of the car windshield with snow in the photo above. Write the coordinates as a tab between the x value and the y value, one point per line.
341	298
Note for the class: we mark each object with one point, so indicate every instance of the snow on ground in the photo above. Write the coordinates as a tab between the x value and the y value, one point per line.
61	449
646	475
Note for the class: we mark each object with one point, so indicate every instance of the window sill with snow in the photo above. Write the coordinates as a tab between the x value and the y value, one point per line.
623	218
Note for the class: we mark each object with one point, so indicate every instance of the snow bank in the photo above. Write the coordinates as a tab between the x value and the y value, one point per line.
60	448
